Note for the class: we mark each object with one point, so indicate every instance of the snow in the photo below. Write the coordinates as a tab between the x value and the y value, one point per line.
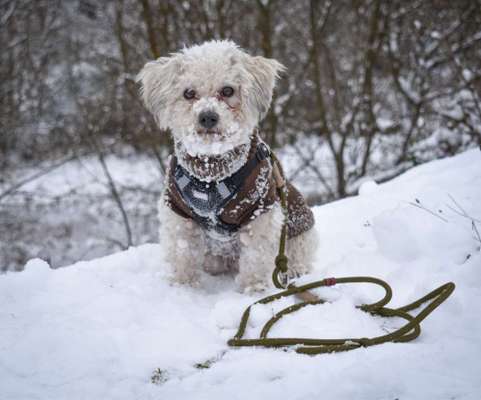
214	144
86	175
231	159
214	49
99	329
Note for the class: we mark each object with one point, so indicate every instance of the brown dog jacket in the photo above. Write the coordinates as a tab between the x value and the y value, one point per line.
227	205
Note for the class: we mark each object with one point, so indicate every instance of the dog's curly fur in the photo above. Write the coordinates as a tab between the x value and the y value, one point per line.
206	69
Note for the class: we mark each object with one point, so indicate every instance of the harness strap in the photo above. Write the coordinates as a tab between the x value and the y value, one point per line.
239	177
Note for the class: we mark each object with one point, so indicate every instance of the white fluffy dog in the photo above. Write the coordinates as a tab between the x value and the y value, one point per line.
220	210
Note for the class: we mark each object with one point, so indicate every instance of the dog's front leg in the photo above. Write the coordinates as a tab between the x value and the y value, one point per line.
183	244
259	242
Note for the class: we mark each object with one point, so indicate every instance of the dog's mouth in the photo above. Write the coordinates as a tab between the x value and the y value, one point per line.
211	134
212	141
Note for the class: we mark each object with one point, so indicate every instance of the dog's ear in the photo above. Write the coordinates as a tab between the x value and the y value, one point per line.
157	79
264	72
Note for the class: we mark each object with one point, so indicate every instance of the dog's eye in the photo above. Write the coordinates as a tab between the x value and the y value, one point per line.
189	94
227	91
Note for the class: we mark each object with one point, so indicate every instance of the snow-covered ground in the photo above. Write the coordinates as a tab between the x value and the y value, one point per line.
99	329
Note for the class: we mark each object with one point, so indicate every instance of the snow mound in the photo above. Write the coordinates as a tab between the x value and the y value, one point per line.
99	329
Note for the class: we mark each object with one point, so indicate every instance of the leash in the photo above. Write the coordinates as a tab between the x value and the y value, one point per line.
409	331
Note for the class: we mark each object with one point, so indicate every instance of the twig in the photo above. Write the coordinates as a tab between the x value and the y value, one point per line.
457	204
307	161
114	241
113	190
35	176
475	229
428	210
463	213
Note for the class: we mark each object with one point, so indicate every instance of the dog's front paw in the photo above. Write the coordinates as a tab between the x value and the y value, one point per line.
249	285
215	265
255	288
186	277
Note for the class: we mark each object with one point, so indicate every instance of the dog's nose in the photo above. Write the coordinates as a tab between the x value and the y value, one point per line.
208	119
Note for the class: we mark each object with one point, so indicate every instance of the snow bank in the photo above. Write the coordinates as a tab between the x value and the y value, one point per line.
98	329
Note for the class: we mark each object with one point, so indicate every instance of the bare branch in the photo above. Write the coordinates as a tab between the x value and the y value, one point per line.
43	171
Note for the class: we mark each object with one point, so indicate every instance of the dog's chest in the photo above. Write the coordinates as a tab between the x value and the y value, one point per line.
225	205
205	199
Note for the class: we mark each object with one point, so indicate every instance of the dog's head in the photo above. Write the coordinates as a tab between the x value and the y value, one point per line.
210	96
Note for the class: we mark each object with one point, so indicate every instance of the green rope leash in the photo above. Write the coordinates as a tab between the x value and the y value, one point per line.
407	332
410	331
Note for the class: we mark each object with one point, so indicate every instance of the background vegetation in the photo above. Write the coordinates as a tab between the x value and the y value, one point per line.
373	87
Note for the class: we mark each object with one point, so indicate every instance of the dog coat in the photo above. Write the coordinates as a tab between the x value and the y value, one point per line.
227	205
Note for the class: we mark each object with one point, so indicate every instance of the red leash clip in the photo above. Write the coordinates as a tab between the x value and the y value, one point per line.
330	281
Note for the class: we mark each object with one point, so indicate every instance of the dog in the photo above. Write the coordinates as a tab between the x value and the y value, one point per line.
220	210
